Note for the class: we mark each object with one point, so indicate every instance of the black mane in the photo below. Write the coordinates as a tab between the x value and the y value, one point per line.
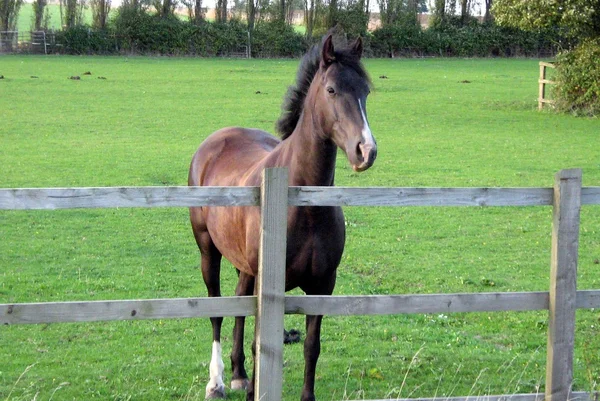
309	65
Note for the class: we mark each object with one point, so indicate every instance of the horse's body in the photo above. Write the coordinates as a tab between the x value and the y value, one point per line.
324	111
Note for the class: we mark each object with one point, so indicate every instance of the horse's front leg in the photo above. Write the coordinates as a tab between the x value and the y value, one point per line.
211	269
239	379
312	349
312	343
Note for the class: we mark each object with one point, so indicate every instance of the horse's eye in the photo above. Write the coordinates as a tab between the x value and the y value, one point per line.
330	90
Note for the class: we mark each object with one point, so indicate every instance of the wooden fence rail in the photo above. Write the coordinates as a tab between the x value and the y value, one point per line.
274	196
124	197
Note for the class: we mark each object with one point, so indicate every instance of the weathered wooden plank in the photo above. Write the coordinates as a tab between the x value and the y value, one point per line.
590	196
63	198
574	396
104	197
380	196
423	303
563	284
96	311
546	64
588	299
271	286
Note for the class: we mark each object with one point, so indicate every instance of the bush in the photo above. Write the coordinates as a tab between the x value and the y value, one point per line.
277	39
577	79
450	38
82	40
397	39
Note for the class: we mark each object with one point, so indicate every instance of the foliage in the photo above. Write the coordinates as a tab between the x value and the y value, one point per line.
577	78
277	39
134	30
576	17
393	11
141	126
452	38
578	69
82	40
353	19
399	38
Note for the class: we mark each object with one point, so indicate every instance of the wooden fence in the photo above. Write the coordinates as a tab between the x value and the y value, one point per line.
543	81
274	196
42	42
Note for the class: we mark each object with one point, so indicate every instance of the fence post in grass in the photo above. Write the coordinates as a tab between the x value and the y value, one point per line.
543	82
271	285
563	284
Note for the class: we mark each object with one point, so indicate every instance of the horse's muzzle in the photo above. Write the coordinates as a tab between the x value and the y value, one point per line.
367	153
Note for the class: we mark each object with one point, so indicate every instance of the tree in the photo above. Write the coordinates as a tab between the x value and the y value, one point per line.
100	11
221	11
488	11
464	11
9	10
577	18
40	17
195	12
165	8
71	12
400	11
310	16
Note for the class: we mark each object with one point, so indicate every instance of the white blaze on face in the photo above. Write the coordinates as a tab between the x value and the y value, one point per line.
367	135
216	385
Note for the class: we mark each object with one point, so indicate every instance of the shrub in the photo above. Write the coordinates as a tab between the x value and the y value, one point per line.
277	39
577	78
82	40
397	39
450	38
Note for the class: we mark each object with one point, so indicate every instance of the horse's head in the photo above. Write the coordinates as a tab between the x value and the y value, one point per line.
341	87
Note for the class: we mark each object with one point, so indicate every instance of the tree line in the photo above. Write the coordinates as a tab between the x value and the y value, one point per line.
265	27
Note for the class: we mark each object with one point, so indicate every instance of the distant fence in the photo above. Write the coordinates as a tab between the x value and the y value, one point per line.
274	197
543	81
40	42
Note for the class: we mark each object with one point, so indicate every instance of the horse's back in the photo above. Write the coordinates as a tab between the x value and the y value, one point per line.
229	156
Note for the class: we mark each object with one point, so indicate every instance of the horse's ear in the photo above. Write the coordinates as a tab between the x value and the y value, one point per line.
327	52
357	47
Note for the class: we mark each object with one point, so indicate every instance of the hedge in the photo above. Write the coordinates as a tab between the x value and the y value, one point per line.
136	31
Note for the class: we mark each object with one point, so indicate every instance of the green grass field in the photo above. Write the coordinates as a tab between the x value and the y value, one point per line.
141	125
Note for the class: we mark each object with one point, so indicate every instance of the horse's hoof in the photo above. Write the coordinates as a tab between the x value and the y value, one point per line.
239	384
215	392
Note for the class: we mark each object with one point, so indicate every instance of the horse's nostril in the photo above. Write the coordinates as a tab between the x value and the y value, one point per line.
359	152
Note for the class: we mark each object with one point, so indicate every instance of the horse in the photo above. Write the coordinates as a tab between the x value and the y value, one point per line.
323	111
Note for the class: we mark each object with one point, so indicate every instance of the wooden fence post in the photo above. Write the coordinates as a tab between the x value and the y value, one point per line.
563	284
271	286
543	82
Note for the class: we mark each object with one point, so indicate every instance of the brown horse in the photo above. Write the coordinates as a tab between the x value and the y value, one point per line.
323	111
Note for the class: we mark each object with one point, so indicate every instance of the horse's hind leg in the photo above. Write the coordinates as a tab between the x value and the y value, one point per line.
211	269
239	379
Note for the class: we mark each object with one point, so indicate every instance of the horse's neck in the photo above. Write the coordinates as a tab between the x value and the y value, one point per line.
310	156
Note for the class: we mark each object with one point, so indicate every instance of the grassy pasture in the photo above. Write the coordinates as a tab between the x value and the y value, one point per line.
141	125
